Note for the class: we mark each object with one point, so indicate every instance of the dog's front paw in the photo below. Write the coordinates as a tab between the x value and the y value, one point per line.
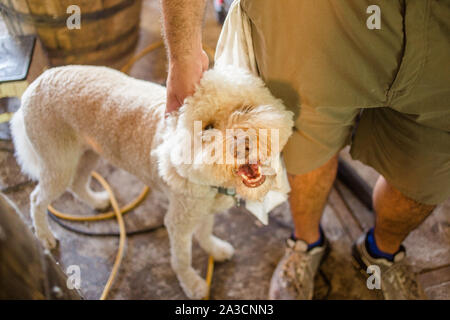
221	250
193	285
47	239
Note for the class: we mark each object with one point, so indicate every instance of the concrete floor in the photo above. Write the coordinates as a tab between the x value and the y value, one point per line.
146	272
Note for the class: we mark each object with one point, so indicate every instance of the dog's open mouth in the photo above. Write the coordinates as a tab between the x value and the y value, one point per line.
251	175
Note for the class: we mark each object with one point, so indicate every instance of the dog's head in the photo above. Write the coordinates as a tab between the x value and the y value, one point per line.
228	134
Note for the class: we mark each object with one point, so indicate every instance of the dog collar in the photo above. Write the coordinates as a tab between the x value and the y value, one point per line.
226	191
229	192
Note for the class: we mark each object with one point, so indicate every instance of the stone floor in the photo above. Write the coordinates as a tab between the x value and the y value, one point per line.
146	272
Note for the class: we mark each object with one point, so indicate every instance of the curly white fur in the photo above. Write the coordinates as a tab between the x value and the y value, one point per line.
71	115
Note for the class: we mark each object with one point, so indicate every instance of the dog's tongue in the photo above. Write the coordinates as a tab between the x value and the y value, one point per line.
249	170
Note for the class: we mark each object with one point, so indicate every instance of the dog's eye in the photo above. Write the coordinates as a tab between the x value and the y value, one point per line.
209	126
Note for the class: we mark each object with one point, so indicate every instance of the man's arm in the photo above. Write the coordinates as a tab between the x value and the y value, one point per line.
182	24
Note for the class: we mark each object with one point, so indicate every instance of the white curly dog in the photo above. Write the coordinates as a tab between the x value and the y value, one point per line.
70	115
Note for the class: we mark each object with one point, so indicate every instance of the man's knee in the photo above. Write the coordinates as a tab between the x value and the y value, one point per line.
396	208
322	176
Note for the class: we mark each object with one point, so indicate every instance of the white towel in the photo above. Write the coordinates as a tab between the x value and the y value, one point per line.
235	47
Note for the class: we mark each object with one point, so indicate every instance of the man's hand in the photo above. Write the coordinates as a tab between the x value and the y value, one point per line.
182	22
183	77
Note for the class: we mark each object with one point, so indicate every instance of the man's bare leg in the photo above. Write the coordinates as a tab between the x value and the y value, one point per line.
294	276
307	199
396	216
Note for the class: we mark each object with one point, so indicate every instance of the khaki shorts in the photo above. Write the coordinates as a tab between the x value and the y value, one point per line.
328	67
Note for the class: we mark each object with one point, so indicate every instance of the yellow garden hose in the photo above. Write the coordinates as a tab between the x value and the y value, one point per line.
126	68
209	274
123	235
102	216
118	212
5	117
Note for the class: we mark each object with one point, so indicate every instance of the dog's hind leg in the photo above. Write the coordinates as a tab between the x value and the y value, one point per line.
80	184
180	226
219	249
52	184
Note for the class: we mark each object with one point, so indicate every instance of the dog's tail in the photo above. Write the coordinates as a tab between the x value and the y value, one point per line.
25	154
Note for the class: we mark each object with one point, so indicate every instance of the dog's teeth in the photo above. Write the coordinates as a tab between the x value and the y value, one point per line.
254	179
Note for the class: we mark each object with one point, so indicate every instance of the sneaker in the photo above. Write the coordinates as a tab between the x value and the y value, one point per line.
398	281
293	279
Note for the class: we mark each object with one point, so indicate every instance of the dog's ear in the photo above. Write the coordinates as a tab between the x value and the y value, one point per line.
166	151
174	164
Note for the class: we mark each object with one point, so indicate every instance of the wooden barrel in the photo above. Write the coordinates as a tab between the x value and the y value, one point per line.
108	31
26	270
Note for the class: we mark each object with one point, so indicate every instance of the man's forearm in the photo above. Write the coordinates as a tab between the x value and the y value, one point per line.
183	27
182	22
